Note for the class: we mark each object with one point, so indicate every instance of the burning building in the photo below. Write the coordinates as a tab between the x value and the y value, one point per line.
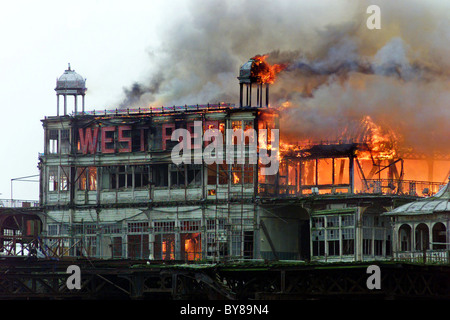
110	189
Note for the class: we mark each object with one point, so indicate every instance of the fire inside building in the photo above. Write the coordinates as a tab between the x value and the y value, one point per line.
109	189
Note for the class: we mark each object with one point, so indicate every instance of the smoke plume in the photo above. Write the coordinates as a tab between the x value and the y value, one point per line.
338	70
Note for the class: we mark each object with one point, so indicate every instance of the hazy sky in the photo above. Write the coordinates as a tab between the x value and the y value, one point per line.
107	42
116	43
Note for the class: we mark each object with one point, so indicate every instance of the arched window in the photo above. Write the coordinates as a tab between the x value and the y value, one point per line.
439	236
404	236
422	237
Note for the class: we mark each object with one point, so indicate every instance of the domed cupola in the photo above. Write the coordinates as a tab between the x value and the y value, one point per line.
70	83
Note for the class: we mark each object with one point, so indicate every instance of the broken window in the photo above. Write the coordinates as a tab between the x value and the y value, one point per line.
52	178
53	141
92	178
212	174
65	141
81	174
139	138
348	234
308	169
318	242
348	241
333	242
236	174
164	248
177	176
64	178
194	175
141	178
87	178
160	175
318	236
223	173
191	246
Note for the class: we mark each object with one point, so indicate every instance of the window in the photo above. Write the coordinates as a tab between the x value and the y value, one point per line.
124	177
141	178
248	173
405	237
190	225
318	222
223	173
121	177
137	227
160	175
92	178
52	178
236	174
236	242
64	178
52	230
87	178
439	236
318	242
348	241
422	237
177	176
333	242
53	141
333	235
212	174
164	226
376	235
367	241
81	176
116	244
65	141
191	246
210	224
194	175
112	228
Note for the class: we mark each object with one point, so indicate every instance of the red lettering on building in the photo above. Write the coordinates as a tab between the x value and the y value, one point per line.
167	130
121	138
106	139
88	141
142	140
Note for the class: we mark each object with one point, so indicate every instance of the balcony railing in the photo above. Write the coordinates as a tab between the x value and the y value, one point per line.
403	187
428	256
13	203
161	109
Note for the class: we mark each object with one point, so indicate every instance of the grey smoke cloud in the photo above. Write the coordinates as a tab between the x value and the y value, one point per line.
338	70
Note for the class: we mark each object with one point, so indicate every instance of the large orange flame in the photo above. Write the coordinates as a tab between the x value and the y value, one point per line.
263	71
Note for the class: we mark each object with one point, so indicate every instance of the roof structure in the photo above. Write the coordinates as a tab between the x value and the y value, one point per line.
70	82
439	203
